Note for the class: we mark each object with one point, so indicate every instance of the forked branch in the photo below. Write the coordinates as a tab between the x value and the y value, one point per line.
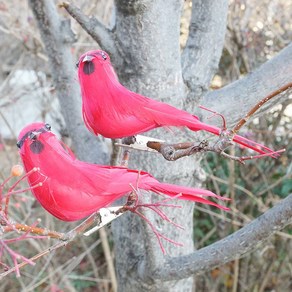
237	127
173	152
101	34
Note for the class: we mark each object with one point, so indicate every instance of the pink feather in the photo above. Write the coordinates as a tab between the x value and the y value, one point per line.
72	189
113	111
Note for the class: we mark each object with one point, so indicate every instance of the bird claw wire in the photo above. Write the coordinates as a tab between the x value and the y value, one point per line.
133	206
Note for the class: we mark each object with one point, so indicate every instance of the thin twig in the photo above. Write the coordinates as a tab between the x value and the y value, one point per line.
64	238
34	258
126	153
246	191
271	186
224	124
33	230
109	258
237	127
267	277
10	192
232	196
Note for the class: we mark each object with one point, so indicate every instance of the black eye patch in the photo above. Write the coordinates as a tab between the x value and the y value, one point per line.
20	142
36	147
32	135
88	67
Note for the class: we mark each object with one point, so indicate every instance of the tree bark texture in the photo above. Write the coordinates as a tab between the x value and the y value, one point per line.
147	34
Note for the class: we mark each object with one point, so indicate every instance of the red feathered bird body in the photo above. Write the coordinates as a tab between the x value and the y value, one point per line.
72	189
113	111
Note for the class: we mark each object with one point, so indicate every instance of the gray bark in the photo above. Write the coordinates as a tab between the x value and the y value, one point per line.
243	94
147	33
203	49
146	37
57	38
236	245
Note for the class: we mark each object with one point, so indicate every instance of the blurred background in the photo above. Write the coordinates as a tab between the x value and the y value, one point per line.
256	31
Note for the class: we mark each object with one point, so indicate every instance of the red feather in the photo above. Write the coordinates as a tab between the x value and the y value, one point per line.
113	111
72	189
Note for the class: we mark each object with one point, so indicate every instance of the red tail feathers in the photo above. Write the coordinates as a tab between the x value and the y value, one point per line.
190	194
240	140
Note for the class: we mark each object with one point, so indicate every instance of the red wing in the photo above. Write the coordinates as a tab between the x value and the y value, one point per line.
146	110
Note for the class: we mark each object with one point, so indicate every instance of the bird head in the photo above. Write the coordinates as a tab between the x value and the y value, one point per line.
33	137
89	61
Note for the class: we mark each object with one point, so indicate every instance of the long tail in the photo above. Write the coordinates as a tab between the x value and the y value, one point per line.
237	138
186	193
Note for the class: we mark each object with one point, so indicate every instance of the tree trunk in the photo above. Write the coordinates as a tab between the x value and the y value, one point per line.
148	35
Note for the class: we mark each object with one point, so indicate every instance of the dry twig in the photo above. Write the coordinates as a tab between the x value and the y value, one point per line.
237	127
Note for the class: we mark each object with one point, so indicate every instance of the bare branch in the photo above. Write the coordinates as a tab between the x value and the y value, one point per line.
233	246
101	34
244	94
100	218
258	106
172	152
175	151
204	46
32	229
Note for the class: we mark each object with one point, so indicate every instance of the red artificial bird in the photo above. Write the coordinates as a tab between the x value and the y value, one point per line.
113	111
72	189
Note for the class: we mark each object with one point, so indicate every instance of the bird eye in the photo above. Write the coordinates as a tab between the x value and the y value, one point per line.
103	55
32	136
18	144
48	127
77	65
